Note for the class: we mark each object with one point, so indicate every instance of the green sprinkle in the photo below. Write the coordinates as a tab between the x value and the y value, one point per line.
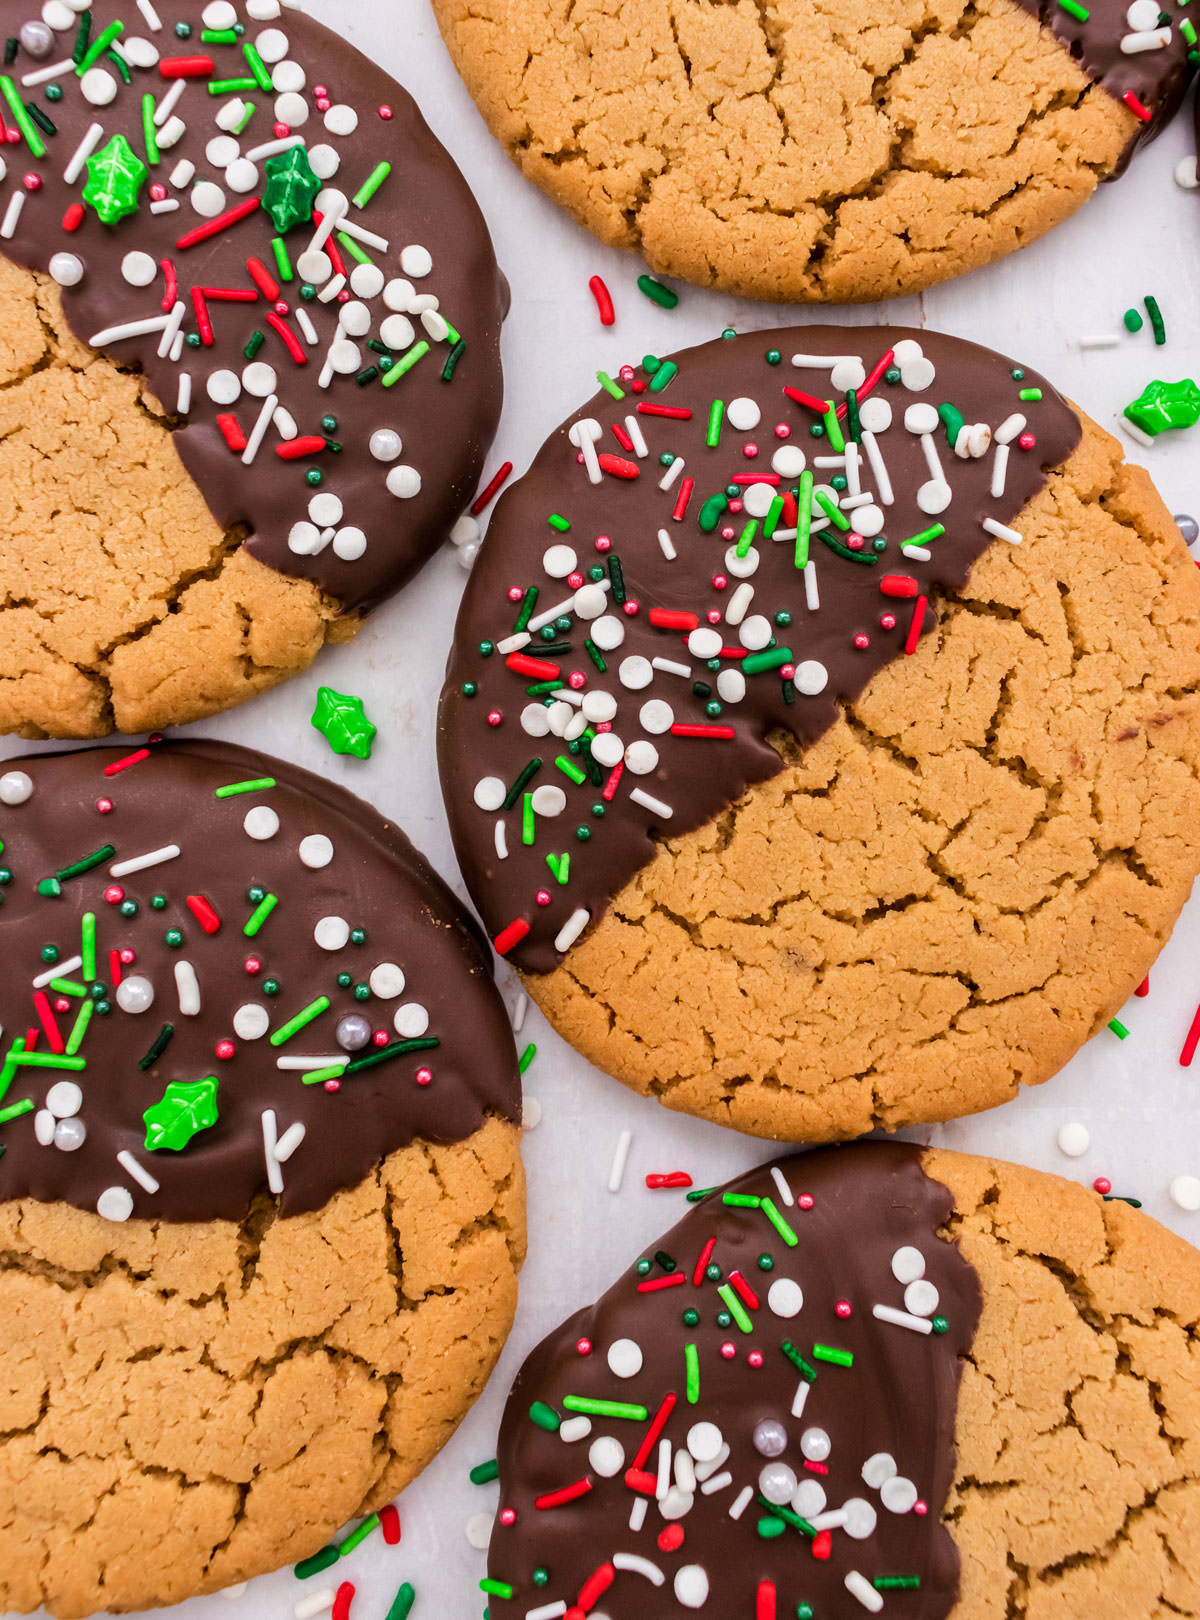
524	778
485	1472
691	1362
666	372
896	1583
716	417
405	363
282	263
79	1028
832	511
934	532
834	430
528	820
772	1527
233	790
735	1308
867	557
1133	320
804	518
350	246
402	1603
98	47
953	421
258	67
251	109
357	1537
654	290
97	858
87	929
610	387
788	1517
807	1371
1118	1029
747	537
371	184
1074	9
15	1110
318	1077
831	1353
52	1060
21	118
557	521
527	1057
545	1417
452	359
1157	324
259	915
1188	29
774	513
711	512
149	132
385	1054
68	987
610	1409
771	1210
1030	395
300	1021
161	1041
569	769
229	87
772	658
83	31
317	1563
741	1201
500	1589
697	1194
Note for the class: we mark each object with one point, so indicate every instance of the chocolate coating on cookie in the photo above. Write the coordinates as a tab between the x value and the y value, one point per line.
1149	63
806	1446
242	941
671	657
378	505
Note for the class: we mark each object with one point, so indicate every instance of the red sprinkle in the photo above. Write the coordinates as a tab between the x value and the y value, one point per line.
809	401
230	295
389	1523
186	67
673	1178
594	1588
342	1602
653	1285
872	377
200	305
614	781
756	478
508	937
1143	989
205	913
262	279
657	1424
822	1545
308	444
682	499
569	1493
490	491
677	413
538	669
706	1254
1138	108
899	585
744	1290
73	218
171	289
231	430
213	227
1190	1045
679	730
115	968
45	1013
670	1539
622	438
764	1601
604	301
914	629
119	765
615	467
669	619
637	1480
290	341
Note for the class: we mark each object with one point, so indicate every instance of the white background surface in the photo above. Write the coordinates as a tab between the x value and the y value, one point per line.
1141	1108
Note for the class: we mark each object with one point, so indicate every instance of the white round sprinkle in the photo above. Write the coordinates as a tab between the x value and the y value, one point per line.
398	295
207	199
691	1586
387	981
531	1114
64	1099
908	1264
139	52
575	1428
1073	1140
625	1358
608	749
138	269
397	332
808	1499
770	1438
70	1134
875	415
259	379
656	717
241	175
479	1530
291	110
15	788
1185	1191
224	387
304	539
848	373
559	561
115	1204
606	1455
860	1518
404	482
548	800
741	567
597	707
777	1482
921	1298
332	933
641	758
785	1297
906	350
43	1127
704	1441
272	46
490	793
704	642
743	413
416	260
758	499
341	120
878	1469
535	720
754	632
386	445
731	686
917	375
263	10
811	678
366	281
288	76
261	823
135	994
411	1021
676	1504
325	509
1187	173
58	15
316	851
251	1021
608	632
1142	15
921	418
315	265
219	14
349	544
635	672
98	86
898	1495
815	1444
868	520
590	601
789	460
65	268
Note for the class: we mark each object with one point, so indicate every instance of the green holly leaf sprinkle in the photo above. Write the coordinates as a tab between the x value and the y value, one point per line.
116	176
291	189
187	1108
342	720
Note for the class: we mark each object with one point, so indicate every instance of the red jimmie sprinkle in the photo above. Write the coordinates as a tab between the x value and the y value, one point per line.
594	1588
231	431
706	1254
622	438
899	585
171	284
653	1284
262	279
308	444
1143	989
343	1600
914	629
809	401
230	295
389	1523
115	973
508	937
569	1493
672	1178
756	478
637	1480
204	912
872	378
73	218
186	67
538	669
1138	108
726	732
657	1424
42	1002
290	341
822	1545
119	765
764	1601
1190	1045
614	781
213	227
200	305
744	1290
604	301
617	466
682	499
490	491
677	413
669	619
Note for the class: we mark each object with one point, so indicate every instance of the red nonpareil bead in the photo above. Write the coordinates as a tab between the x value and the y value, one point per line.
843	1308
225	1050
424	1077
253	964
114	894
386	114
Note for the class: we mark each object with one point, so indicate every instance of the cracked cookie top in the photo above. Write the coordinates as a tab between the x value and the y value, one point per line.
828	150
730	547
235	202
758	1418
224	975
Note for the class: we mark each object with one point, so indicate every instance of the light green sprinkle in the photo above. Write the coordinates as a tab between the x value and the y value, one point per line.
832	1354
569	769
833	430
282	263
357	1537
735	1308
747	537
609	1409
691	1362
68	987
804	518
528	819
610	387
527	1057
1074	9
371	184
1118	1029
259	915
98	47
233	790
405	363
771	1210
49	1060
149	131
300	1021
350	246
87	929
832	511
741	1201
16	1110
500	1589
258	67
318	1077
78	1029
716	417
21	118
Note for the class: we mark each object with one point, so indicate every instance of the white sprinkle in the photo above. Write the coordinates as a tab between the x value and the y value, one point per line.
878	468
305	323
739	603
574	1428
188	987
1135	432
548	1611
635	1564
717	1483
361	234
999	468
330	290
44	74
512	644
853	468
801	1398
634	429
741	1501
1187	174
1185	1191
668	666
519	1011
812	592
91	140
663	1483
290	1141
886	1313
12	215
272	148
667	545
59	970
572	928
917	553
1150	39
648	802
131	329
259	431
139	1173
308	1608
1001	531
785	1192
501	840
140	863
270	1140
115	1204
860	1587
620	1158
165	205
824	362
183	400
637	1514
285	424
1099	340
1009	428
153	20
183	173
172	328
671	474
169	102
300	1064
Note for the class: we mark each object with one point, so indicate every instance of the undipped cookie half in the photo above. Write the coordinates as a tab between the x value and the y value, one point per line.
262	1201
868	1380
249	355
828	769
820	149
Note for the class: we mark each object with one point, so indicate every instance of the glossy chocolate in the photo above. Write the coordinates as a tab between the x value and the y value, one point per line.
696	778
445	427
372	880
896	1401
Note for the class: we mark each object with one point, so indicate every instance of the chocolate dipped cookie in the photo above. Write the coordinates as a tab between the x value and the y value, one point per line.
250	355
260	1179
820	735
